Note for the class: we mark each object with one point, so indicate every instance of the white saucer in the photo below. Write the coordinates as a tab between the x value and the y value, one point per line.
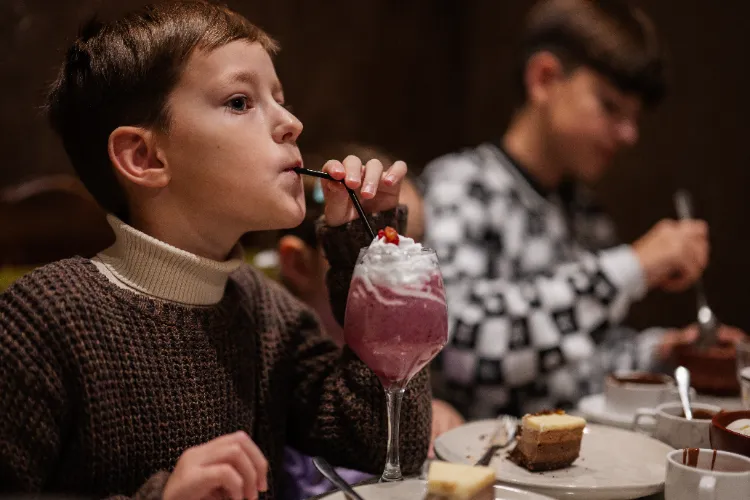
614	464
594	409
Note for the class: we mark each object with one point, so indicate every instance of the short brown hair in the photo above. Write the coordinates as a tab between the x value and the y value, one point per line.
122	72
609	36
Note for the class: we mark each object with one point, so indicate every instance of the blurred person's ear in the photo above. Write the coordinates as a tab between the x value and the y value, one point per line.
543	71
298	265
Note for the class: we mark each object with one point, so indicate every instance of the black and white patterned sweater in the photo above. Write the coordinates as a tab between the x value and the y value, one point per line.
536	287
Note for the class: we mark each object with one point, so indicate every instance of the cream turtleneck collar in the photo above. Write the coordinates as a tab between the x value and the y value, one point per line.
146	265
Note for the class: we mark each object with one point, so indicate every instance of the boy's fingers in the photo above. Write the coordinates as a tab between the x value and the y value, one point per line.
335	168
258	459
353	167
220	476
373	172
333	189
395	173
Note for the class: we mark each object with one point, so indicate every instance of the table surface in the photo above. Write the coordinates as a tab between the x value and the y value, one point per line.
658	496
725	403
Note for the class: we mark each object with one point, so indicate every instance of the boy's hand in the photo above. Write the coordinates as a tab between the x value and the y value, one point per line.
377	190
229	466
725	335
444	418
673	254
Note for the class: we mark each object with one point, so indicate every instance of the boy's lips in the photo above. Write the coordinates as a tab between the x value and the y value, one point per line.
291	171
290	174
297	162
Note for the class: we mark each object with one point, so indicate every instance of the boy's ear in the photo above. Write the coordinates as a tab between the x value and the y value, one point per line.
296	264
543	70
134	154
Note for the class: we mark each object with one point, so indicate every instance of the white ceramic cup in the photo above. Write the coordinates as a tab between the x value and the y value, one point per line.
625	398
730	479
666	423
745	386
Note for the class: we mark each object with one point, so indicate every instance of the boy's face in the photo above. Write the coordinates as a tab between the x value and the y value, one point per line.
588	121
231	143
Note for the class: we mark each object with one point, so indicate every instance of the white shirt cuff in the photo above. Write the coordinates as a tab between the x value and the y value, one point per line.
622	266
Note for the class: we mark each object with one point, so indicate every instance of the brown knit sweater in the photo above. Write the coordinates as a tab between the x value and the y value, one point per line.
101	390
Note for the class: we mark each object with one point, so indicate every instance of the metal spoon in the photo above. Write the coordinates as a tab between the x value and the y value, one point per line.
682	376
708	323
330	473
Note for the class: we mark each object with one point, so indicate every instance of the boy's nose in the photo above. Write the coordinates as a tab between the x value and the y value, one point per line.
288	129
627	133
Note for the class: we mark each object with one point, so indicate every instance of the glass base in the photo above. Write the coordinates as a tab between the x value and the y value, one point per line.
391	475
392	470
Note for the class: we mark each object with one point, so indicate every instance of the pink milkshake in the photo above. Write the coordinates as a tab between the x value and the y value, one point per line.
396	330
396	316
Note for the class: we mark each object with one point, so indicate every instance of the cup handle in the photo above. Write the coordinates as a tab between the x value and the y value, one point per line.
640	414
707	488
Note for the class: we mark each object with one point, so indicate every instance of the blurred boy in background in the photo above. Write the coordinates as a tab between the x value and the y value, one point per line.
537	286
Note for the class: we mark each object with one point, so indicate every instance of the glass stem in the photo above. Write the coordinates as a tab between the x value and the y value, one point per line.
393	397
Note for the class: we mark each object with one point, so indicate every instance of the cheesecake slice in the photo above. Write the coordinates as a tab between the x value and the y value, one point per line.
448	481
548	441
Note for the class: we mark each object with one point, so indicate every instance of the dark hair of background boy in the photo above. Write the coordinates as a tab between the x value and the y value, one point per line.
611	37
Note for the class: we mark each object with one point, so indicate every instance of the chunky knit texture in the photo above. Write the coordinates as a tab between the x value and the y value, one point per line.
101	390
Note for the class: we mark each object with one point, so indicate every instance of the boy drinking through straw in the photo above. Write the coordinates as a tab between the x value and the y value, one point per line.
164	367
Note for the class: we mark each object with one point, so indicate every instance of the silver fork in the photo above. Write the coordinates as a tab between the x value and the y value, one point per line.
708	323
502	437
330	473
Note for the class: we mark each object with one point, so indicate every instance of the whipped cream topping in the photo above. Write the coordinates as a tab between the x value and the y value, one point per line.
405	244
741	426
408	270
407	263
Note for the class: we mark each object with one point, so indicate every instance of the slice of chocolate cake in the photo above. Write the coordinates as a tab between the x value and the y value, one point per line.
548	441
448	481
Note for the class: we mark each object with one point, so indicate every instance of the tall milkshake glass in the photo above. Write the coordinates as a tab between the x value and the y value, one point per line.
396	322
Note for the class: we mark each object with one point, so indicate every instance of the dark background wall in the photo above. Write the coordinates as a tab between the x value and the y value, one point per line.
423	77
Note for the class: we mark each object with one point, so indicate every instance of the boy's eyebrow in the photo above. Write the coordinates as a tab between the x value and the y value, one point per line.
249	77
252	78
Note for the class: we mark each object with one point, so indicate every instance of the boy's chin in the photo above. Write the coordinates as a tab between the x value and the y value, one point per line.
290	217
590	175
276	216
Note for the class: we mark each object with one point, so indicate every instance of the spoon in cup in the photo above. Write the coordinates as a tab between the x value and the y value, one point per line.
682	376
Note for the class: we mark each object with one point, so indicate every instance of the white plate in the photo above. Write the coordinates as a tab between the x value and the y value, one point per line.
614	464
415	489
594	409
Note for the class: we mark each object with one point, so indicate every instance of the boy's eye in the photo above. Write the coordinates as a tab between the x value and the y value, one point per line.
238	103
